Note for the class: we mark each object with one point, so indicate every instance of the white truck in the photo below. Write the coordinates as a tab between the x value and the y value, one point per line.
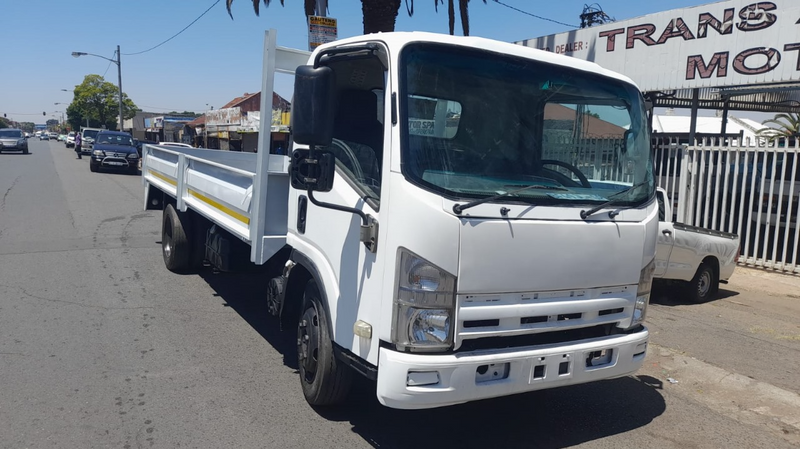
699	258
438	226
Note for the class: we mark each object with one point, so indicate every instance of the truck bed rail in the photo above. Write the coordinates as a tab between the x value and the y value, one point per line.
219	185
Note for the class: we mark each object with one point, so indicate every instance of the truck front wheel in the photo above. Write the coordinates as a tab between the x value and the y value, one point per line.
324	379
174	240
703	285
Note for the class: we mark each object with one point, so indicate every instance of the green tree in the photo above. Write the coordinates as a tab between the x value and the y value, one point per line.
381	15
783	125
97	100
4	123
27	126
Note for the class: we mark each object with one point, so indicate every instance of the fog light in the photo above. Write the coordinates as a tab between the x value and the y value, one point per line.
599	358
422	378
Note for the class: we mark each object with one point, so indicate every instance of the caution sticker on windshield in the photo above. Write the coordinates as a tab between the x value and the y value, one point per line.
576	197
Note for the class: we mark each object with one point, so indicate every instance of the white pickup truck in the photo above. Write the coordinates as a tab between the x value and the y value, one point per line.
699	257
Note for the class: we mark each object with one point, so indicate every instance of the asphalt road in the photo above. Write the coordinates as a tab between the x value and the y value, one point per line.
101	346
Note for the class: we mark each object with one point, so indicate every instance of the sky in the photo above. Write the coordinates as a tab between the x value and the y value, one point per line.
216	59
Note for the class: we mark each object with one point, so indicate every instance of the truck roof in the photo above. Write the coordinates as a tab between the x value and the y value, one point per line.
399	39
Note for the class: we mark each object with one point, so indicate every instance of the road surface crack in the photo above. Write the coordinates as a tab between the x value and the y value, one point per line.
94	306
5	196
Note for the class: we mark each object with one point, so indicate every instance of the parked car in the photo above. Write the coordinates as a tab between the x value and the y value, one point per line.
87	139
70	140
114	149
697	257
44	136
53	136
12	139
139	144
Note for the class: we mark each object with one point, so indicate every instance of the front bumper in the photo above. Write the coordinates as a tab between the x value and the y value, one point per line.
114	162
459	380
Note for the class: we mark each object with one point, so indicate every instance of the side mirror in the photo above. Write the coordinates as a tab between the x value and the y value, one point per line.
628	138
312	174
313	105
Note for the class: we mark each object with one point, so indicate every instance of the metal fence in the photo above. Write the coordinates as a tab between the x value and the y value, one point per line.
600	159
750	188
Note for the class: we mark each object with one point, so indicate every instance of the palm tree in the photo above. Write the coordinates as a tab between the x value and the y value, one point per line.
463	9
381	15
784	125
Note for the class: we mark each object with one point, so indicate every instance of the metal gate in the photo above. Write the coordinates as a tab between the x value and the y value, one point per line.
750	188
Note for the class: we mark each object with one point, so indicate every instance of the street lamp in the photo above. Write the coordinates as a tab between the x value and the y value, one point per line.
118	62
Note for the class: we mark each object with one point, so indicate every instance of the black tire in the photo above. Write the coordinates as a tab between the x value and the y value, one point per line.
24	151
703	285
200	228
175	240
324	379
93	167
275	289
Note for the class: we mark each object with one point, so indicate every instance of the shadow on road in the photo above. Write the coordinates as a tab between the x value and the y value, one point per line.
674	294
550	418
246	294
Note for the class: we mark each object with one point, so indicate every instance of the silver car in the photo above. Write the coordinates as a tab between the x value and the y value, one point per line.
12	139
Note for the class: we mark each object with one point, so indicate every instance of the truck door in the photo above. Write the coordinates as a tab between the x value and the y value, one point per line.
666	238
355	273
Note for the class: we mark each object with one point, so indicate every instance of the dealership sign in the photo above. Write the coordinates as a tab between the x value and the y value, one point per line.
729	43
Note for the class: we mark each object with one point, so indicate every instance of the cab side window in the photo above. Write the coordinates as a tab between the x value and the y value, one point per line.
358	125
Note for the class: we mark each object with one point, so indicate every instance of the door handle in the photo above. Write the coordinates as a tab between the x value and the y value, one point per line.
666	232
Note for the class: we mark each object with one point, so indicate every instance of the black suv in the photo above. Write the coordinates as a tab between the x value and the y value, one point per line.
114	149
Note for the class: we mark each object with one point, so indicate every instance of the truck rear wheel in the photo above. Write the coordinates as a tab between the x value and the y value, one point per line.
703	285
174	240
324	379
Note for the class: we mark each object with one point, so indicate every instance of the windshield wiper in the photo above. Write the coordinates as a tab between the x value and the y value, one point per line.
613	199
458	208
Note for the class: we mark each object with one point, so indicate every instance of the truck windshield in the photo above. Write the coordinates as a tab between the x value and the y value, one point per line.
478	124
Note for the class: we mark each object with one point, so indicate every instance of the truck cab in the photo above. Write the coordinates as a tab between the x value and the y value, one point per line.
470	159
462	219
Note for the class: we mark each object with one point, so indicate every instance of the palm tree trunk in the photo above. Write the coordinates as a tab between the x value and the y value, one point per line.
379	15
463	6
451	15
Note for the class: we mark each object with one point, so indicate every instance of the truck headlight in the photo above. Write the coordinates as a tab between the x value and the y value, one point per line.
424	304
643	294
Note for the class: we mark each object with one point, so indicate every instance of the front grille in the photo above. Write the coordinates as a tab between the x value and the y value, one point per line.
571	335
484	320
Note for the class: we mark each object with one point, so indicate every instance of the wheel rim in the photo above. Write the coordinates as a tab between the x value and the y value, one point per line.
308	344
167	244
704	284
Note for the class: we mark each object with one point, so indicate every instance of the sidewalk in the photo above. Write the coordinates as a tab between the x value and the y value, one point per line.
760	280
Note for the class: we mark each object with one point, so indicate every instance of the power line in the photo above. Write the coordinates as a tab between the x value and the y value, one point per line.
534	15
108	66
176	34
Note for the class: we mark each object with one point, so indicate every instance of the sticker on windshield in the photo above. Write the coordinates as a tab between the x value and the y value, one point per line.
576	196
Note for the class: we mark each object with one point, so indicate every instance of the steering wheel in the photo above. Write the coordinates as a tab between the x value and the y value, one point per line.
581	177
348	158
